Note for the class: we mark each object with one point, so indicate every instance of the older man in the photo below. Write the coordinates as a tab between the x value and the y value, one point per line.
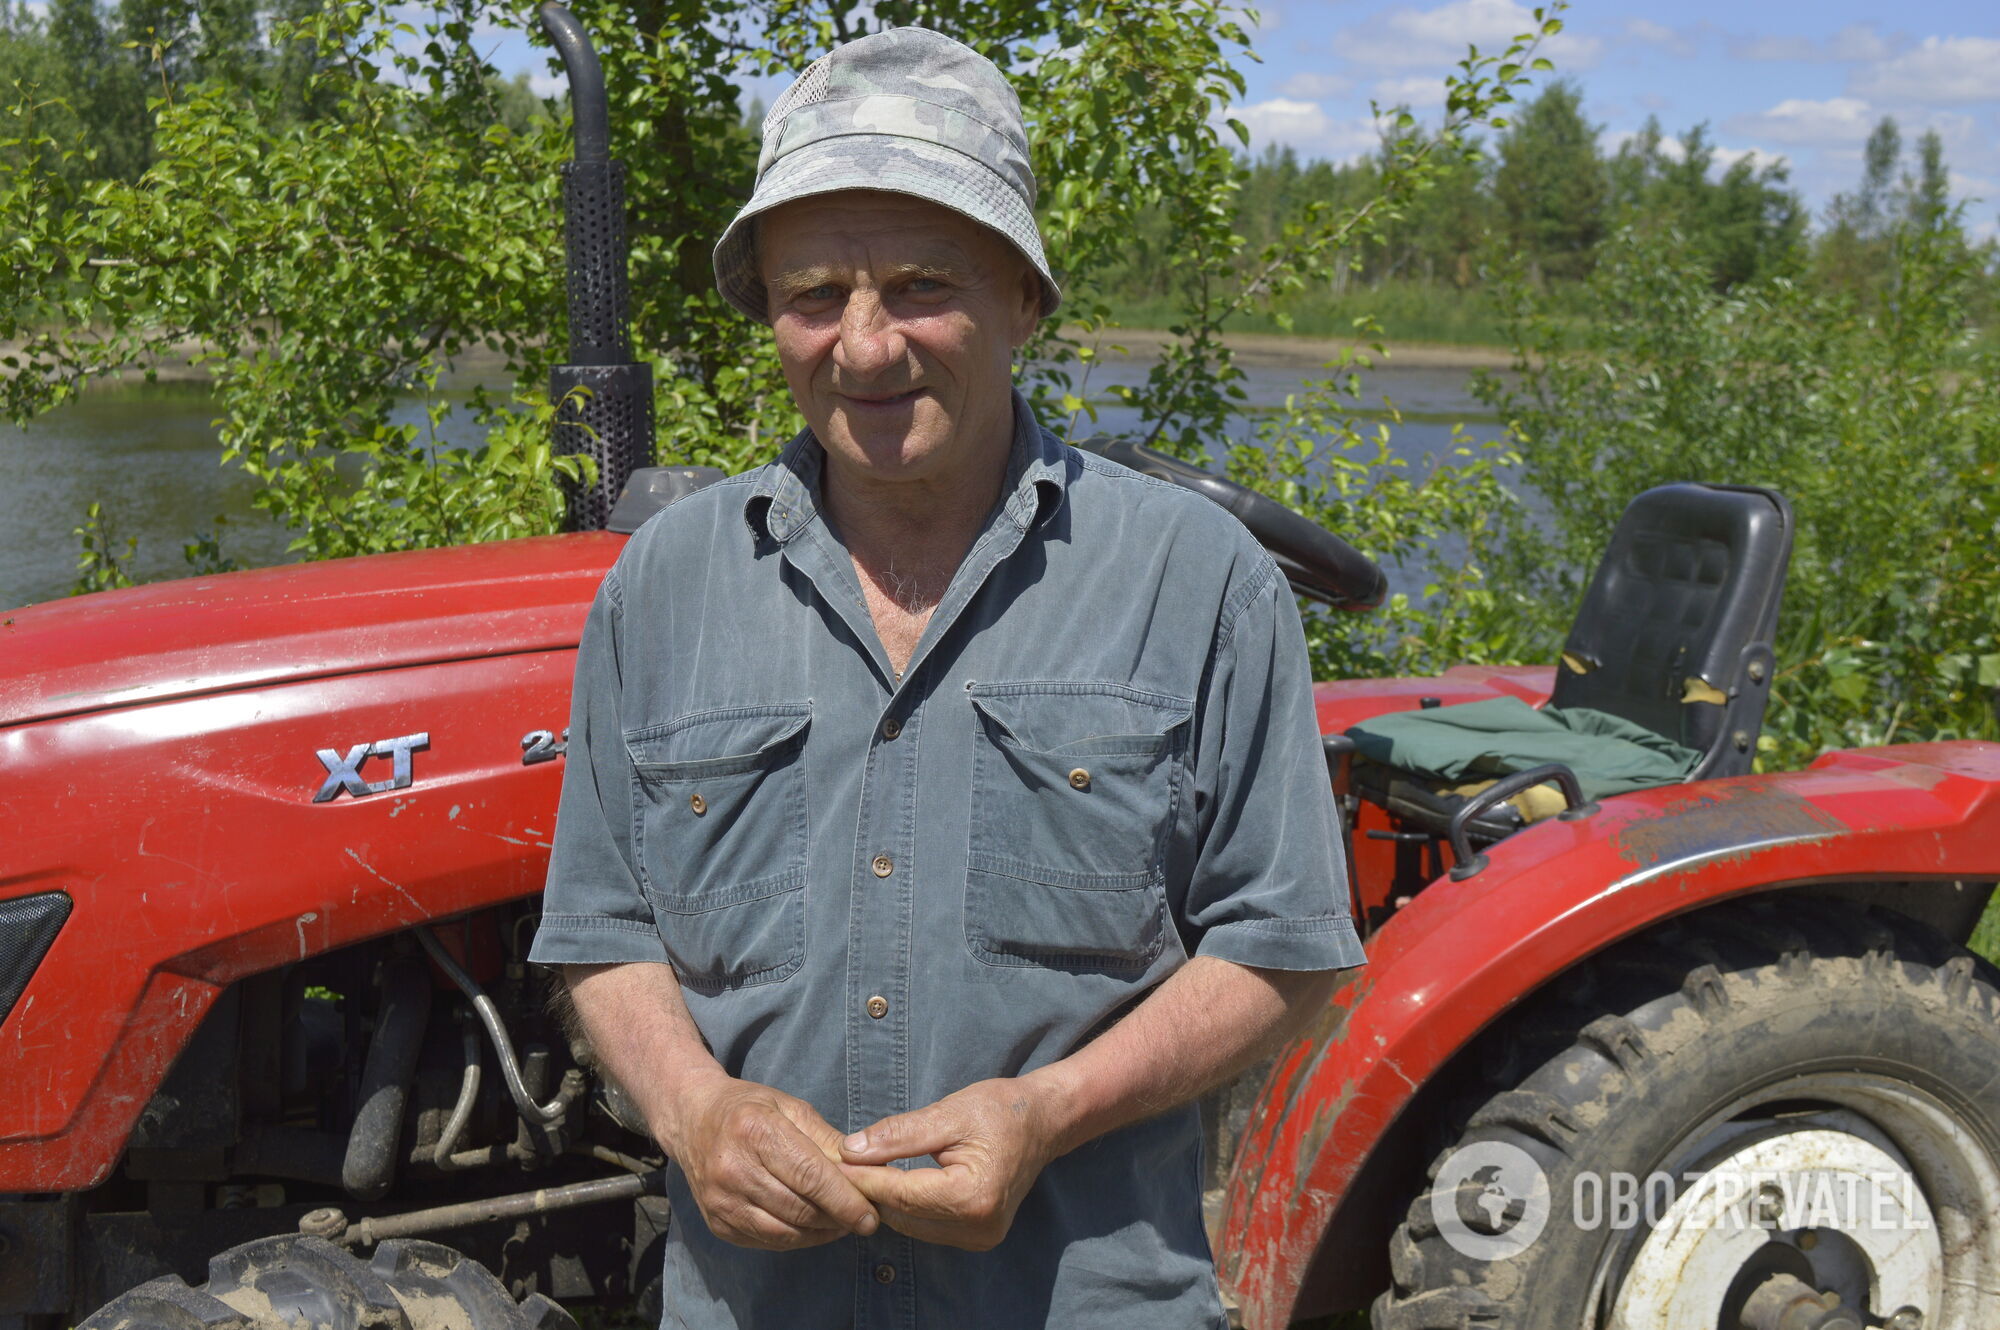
934	783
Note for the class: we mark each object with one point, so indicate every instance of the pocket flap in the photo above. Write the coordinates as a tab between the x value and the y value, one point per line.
1079	718
718	742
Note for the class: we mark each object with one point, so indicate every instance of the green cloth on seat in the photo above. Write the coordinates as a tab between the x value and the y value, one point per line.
1481	740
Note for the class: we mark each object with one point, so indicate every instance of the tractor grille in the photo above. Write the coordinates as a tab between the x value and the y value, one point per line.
28	926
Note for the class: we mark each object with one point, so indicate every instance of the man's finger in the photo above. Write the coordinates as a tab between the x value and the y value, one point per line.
934	1192
816	1128
800	1166
905	1136
752	1225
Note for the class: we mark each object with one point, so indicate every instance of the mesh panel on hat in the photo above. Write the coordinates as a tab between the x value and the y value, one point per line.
810	87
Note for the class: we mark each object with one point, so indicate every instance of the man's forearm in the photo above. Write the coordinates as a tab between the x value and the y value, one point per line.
643	1035
1207	1022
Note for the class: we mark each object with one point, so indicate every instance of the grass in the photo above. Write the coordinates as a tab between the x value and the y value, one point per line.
1405	311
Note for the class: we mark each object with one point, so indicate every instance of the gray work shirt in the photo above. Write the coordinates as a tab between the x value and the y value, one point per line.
1101	760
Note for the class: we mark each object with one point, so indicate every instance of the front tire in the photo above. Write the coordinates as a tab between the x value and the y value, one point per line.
295	1281
1726	1064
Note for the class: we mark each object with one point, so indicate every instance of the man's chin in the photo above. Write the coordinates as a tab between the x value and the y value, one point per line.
888	441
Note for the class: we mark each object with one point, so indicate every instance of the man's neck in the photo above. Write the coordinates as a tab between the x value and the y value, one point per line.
912	534
907	538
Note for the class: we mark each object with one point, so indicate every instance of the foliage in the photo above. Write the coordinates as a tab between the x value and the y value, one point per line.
331	246
1431	525
1879	420
102	564
1550	182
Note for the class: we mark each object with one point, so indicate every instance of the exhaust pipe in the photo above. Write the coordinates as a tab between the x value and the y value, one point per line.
612	421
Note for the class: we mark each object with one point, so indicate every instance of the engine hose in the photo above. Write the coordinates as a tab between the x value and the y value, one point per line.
369	1168
461	1112
496	1031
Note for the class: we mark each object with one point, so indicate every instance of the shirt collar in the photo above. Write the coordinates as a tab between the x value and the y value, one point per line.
785	498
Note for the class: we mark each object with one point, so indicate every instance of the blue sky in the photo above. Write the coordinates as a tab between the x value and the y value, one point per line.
1804	82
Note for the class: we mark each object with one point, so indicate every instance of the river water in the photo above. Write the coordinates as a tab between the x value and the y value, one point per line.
148	454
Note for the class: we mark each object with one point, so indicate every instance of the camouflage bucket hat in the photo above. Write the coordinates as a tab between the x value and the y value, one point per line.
909	111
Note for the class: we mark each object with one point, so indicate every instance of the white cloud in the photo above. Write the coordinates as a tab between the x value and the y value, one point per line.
1837	120
1307	127
1417	91
1437	38
1674	41
1968	187
1312	87
1726	157
548	85
1941	70
1856	41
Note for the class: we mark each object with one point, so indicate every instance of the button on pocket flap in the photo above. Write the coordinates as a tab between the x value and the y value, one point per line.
721	742
1079	719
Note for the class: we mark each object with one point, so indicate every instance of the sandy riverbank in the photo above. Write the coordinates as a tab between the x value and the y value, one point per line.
1279	351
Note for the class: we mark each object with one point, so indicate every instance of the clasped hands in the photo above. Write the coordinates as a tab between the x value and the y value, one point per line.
769	1172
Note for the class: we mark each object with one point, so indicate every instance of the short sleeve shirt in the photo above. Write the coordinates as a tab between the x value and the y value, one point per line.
1101	760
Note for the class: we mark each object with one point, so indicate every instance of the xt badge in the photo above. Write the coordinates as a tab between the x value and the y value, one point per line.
344	773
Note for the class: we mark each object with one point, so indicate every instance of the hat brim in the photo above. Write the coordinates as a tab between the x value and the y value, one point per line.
881	162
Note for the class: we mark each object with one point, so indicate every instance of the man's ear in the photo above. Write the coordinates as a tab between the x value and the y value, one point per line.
1028	312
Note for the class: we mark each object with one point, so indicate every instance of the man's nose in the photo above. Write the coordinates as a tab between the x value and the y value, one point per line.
870	343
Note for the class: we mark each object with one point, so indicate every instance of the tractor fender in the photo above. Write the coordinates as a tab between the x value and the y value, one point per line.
1462	953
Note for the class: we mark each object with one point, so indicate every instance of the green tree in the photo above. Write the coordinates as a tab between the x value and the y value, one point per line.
1747	222
1550	184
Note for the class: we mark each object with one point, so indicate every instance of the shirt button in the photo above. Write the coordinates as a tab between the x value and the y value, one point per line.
891	728
699	804
1079	779
878	1007
885	1273
884	865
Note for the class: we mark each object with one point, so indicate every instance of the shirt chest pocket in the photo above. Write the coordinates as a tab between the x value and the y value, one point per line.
1074	792
719	809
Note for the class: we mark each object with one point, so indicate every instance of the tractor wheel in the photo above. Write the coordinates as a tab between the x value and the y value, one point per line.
300	1282
1783	1115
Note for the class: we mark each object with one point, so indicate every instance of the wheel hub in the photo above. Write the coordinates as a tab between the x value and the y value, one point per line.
1782	1302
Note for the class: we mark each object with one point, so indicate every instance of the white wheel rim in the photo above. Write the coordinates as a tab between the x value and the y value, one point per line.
1887	1199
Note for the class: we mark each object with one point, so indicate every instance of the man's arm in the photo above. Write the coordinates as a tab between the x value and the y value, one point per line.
759	1162
756	1159
1207	1022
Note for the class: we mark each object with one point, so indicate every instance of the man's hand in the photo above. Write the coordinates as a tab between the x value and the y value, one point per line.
763	1167
991	1141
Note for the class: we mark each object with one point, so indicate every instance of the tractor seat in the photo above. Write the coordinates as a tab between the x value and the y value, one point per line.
1664	677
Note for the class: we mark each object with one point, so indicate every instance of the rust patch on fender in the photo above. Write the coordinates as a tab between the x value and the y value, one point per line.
1711	823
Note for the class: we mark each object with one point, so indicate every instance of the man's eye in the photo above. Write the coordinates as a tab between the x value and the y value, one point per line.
824	291
925	285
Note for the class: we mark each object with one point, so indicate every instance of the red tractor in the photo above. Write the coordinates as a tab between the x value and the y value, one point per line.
1709	1054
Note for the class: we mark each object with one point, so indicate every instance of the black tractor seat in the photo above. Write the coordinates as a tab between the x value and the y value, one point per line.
1674	636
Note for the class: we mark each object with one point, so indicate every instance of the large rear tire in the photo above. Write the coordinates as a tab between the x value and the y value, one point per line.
296	1281
1806	1096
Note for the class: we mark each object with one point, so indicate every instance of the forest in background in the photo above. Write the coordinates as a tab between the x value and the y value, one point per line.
1540	202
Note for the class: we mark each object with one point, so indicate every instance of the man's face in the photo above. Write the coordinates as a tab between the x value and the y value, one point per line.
896	321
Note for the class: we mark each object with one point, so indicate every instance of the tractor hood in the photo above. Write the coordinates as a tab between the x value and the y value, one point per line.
241	630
